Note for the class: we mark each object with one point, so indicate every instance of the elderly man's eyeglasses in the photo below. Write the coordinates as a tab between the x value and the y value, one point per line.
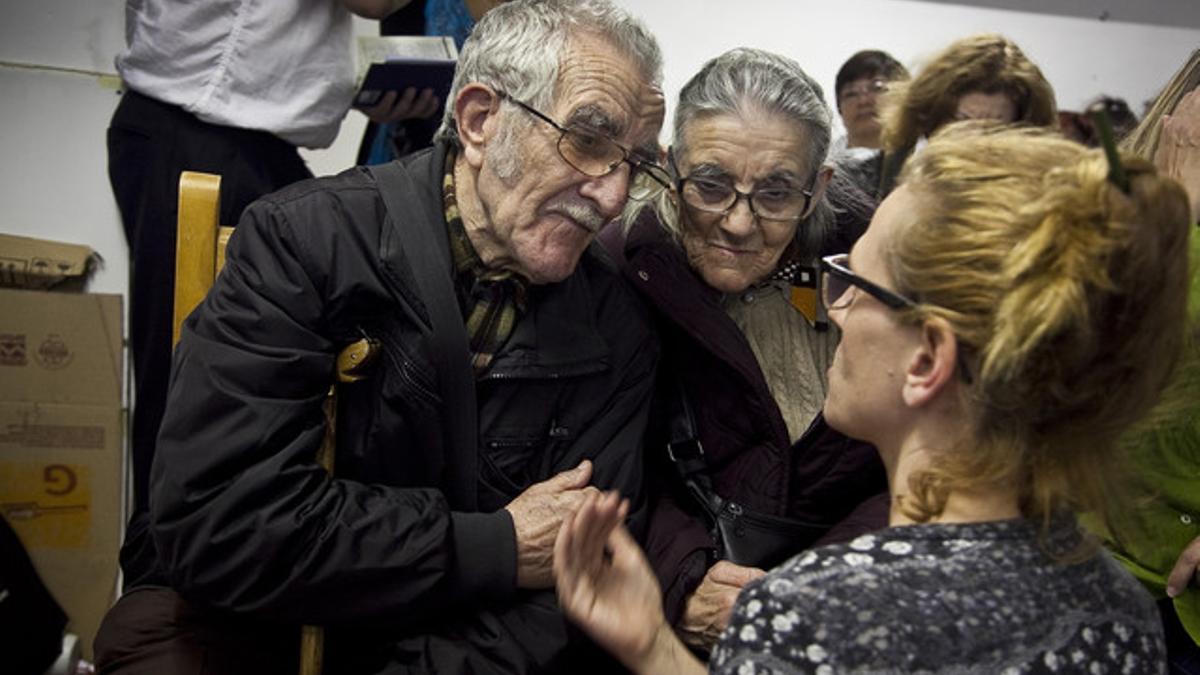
850	93
594	154
713	195
837	278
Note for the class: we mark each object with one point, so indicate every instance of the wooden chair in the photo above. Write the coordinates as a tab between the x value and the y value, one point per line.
200	242
199	256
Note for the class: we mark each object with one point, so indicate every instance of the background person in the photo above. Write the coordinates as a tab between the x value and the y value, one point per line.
1079	127
979	77
228	87
859	82
414	130
1158	540
995	422
719	260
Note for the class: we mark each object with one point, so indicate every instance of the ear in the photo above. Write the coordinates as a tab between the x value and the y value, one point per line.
476	110
823	178
933	366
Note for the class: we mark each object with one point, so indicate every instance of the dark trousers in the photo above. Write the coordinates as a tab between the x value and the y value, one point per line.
149	144
154	631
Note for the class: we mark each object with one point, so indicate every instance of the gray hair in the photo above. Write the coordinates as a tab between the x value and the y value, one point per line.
744	81
518	46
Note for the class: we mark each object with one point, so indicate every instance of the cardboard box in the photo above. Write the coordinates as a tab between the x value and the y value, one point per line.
31	263
62	441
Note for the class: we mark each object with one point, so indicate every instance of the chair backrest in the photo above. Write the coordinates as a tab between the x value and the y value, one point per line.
199	242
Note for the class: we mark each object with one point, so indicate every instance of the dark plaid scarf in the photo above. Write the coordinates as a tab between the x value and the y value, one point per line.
491	300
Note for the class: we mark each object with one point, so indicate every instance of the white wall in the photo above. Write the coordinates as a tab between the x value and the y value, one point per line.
1080	57
58	89
52	158
53	181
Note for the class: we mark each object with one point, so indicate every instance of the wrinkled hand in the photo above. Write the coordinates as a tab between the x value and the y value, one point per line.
709	606
394	107
537	514
605	585
1178	154
1186	570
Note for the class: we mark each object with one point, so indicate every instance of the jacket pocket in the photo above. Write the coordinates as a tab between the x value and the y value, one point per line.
512	463
513	459
413	375
389	426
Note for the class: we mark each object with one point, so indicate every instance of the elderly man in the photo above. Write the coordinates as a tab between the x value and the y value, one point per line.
429	550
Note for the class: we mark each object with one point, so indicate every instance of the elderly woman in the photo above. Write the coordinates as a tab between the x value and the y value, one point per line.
998	299
979	77
727	261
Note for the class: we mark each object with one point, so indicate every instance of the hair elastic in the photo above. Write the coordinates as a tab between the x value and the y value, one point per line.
1098	111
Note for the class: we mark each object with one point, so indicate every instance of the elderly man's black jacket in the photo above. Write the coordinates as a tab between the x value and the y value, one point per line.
398	555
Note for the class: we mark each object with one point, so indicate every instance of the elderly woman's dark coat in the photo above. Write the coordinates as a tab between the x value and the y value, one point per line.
824	478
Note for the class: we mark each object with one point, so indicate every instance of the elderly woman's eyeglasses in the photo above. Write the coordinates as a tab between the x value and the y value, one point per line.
713	195
594	154
837	278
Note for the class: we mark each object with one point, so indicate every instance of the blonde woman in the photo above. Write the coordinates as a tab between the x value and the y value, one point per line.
1008	314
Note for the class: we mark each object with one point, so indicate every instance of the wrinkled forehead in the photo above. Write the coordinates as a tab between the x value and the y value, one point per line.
601	86
781	144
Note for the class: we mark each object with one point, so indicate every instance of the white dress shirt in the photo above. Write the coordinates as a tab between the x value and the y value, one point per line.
281	66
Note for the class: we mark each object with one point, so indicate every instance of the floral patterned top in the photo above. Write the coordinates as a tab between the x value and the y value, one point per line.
947	598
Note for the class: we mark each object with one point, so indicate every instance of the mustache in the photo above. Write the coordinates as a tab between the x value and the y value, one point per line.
583	212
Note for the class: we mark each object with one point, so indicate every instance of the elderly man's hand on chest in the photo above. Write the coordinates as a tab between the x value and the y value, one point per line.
537	514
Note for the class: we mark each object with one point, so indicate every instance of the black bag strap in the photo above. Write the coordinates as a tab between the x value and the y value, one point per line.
686	452
427	249
742	536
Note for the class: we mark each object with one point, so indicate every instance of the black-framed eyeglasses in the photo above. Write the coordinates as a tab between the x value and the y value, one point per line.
837	278
593	154
712	195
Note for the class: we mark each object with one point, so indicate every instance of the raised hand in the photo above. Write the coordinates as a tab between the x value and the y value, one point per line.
606	586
